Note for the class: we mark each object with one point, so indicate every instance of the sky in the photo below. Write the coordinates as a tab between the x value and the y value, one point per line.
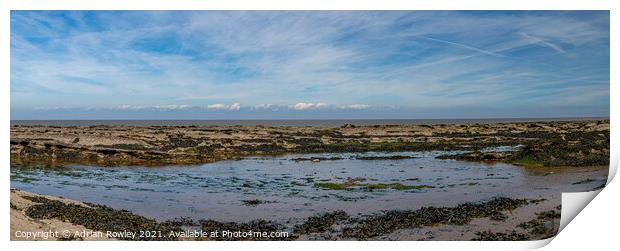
309	64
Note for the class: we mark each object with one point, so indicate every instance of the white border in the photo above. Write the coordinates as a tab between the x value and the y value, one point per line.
570	238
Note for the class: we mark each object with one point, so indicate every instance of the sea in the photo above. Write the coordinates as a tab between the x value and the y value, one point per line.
299	122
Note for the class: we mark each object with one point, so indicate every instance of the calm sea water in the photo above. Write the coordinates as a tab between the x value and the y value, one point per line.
323	123
288	187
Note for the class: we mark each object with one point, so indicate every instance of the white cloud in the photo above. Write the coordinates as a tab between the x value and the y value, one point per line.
142	107
129	107
217	106
355	106
171	107
264	106
306	106
321	105
302	106
235	107
232	107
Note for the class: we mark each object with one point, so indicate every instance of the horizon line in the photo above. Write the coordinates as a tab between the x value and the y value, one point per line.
487	118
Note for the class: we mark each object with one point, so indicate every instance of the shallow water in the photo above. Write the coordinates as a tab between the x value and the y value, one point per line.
217	190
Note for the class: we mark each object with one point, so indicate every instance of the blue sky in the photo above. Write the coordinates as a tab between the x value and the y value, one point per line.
308	64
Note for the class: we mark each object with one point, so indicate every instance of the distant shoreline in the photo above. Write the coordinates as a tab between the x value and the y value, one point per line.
293	122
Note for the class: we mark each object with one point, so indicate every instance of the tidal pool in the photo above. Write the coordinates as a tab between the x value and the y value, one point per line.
287	190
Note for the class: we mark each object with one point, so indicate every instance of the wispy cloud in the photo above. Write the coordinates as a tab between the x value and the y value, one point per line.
307	61
542	42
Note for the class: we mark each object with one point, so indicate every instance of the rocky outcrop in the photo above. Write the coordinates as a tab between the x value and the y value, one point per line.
549	143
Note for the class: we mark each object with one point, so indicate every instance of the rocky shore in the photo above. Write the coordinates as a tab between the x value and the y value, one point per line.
560	143
67	219
545	146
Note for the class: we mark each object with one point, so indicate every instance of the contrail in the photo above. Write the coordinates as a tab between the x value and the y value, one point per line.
543	42
490	53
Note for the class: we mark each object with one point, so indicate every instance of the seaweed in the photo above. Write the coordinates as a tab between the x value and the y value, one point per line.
491	236
320	223
390	221
97	217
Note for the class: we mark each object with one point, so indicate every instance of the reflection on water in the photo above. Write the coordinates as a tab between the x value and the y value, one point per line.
218	190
